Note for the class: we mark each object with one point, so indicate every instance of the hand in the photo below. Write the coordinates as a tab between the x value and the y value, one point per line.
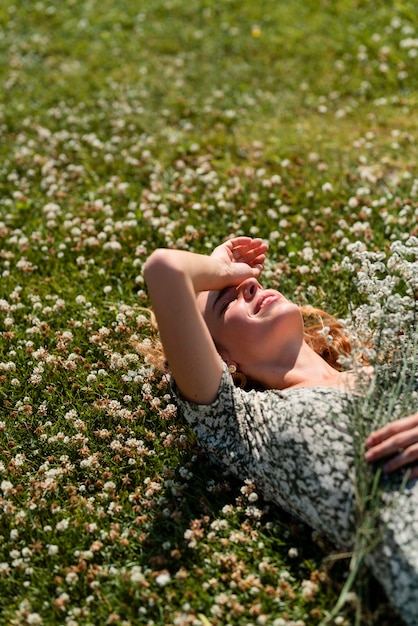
398	439
240	250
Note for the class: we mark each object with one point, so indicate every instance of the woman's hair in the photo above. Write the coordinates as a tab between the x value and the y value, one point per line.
150	347
325	334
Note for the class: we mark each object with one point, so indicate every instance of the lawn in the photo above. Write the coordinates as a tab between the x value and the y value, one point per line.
126	126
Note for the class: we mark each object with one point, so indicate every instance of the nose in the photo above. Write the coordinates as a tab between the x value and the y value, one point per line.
248	288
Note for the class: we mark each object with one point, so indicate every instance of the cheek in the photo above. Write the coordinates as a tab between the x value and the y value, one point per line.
228	333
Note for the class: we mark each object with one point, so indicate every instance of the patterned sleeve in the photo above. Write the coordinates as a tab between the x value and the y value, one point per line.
292	444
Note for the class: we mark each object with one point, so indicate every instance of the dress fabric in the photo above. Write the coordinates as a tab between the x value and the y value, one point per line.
295	445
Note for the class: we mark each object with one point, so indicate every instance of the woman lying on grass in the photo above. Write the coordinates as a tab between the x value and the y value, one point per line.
288	428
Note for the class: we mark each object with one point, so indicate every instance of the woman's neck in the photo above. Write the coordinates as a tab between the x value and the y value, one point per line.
305	369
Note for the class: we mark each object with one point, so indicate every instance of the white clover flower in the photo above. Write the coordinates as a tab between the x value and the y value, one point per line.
116	361
19	460
7	487
136	575
71	578
163	579
62	525
4	306
8	367
34	618
24	265
112	246
5	568
71	415
309	589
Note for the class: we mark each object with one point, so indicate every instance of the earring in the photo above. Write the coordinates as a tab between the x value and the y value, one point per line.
240	379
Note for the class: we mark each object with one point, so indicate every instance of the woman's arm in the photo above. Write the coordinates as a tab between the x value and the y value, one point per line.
174	277
399	438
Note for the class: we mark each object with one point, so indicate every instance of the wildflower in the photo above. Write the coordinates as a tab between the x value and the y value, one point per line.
253	512
7	487
137	576
163	579
8	367
228	510
256	31
309	589
112	246
35	379
25	266
34	618
4	569
62	525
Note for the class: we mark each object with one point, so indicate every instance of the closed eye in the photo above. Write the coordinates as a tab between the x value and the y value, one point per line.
226	303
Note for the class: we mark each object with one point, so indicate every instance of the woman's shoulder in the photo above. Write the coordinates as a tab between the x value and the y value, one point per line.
254	405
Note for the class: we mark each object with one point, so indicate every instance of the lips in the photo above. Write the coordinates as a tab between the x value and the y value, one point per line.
265	300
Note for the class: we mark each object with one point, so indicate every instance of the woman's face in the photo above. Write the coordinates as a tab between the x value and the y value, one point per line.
251	325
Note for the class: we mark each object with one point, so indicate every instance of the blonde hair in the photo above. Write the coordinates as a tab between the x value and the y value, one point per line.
150	347
326	335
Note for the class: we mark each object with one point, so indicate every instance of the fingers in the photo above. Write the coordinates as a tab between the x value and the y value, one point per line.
404	458
243	250
250	251
392	429
398	440
392	445
243	241
239	271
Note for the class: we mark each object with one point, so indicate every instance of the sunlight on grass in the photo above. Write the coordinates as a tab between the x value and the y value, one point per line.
126	126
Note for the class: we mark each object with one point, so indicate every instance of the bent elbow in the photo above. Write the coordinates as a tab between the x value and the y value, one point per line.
159	264
155	262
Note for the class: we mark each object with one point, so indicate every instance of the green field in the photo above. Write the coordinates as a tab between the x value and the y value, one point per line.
125	126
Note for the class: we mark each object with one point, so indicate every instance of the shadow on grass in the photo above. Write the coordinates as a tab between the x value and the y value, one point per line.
291	546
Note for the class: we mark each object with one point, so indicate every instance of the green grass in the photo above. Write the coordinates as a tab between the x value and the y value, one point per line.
126	126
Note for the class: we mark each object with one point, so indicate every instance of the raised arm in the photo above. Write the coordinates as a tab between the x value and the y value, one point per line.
174	277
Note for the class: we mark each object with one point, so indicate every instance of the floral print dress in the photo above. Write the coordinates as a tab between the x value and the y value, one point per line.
297	448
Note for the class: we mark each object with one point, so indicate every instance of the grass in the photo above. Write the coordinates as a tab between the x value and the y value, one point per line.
130	126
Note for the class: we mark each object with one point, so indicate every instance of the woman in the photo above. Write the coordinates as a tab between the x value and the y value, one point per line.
290	432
